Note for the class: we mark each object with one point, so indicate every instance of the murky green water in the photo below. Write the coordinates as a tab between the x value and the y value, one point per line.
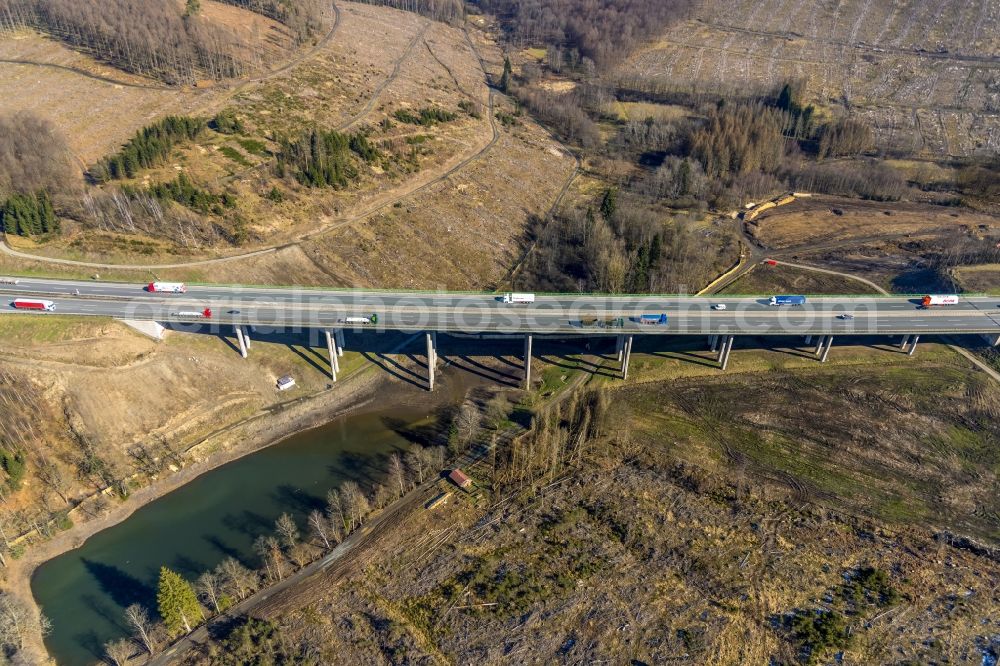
217	515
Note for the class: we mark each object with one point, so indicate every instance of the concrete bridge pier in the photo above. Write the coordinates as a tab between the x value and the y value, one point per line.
820	341
727	348
527	362
913	345
713	342
242	340
826	348
905	341
431	361
620	347
809	339
339	339
331	349
992	340
627	348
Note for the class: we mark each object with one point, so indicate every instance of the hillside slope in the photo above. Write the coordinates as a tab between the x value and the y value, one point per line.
924	75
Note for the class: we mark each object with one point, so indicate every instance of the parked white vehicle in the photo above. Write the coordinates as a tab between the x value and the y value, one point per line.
719	306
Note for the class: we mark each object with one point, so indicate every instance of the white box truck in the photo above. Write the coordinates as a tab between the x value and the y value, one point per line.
167	287
514	297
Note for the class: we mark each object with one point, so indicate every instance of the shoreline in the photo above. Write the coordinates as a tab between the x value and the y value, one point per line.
252	434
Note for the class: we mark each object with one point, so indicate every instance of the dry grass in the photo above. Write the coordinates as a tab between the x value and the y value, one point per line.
115	108
984	278
462	233
682	541
779	279
812	222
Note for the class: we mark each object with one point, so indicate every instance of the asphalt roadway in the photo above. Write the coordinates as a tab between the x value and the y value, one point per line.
282	308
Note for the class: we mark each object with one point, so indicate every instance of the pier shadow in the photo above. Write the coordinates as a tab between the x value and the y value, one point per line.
402	355
123	588
478	367
795	351
685	357
396	369
572	363
309	359
490	374
229	342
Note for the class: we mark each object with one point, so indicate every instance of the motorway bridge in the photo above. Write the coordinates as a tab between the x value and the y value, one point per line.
274	309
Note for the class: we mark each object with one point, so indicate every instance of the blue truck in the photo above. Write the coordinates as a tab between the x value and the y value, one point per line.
652	319
787	300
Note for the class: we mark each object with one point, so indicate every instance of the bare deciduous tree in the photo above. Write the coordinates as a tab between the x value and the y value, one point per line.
237	579
319	525
287	530
119	652
15	621
397	473
138	618
33	155
335	509
209	589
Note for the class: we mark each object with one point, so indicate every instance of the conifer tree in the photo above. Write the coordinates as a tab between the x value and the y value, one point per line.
505	77
177	602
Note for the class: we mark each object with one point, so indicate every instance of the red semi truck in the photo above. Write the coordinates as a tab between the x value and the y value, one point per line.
947	299
204	314
33	304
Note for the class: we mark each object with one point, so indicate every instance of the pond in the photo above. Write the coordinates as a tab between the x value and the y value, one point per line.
217	515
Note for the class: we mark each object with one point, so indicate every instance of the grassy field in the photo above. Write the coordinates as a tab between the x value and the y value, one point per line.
116	107
904	443
980	279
